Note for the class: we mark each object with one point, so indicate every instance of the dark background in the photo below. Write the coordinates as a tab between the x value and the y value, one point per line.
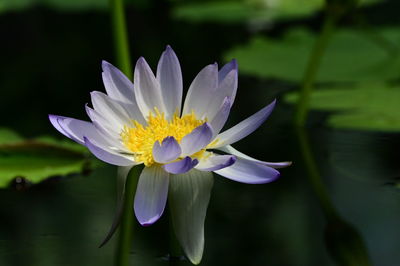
50	61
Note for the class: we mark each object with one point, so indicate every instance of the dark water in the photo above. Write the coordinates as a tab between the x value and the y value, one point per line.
50	63
61	222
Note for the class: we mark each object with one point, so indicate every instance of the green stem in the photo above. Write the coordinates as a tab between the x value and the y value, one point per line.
313	174
312	69
120	35
127	221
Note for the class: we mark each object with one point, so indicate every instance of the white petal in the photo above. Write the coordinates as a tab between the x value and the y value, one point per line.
196	140
117	85
244	128
151	195
231	150
220	118
101	123
147	89
227	88
189	195
121	89
169	76
111	110
107	155
227	68
201	91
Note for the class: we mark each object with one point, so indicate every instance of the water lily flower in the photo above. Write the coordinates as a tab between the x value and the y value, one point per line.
142	123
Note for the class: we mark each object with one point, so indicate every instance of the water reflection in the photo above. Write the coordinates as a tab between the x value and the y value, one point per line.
342	240
63	222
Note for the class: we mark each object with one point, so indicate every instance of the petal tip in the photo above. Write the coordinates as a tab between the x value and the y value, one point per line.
232	160
234	64
168	48
105	64
141	60
148	222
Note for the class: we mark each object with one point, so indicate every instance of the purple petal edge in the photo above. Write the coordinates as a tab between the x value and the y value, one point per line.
249	172
182	166
230	161
54	121
167	151
106	156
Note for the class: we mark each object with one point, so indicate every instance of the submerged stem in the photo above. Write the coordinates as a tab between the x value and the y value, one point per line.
313	174
120	36
312	69
127	222
343	241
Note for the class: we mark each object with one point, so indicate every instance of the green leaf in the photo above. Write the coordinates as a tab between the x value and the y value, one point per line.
37	160
7	136
350	56
249	11
363	107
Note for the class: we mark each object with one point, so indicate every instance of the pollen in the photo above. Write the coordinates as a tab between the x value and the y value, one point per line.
140	138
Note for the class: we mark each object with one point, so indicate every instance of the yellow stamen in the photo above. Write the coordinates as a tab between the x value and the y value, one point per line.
140	138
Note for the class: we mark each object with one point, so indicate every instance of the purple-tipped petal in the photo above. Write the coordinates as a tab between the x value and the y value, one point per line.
227	68
189	196
249	172
220	118
110	109
121	89
216	162
182	166
169	150
169	76
231	150
201	91
147	89
107	156
117	85
196	140
76	129
151	195
245	127
101	123
227	88
54	121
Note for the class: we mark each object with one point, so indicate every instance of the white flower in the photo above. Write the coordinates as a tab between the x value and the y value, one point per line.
142	123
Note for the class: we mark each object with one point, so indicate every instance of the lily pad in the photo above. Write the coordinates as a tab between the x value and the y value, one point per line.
37	160
352	55
363	107
247	11
7	136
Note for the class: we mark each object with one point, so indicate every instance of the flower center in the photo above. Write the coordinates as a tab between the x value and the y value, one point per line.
140	138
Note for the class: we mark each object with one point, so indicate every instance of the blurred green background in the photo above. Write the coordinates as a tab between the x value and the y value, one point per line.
57	202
